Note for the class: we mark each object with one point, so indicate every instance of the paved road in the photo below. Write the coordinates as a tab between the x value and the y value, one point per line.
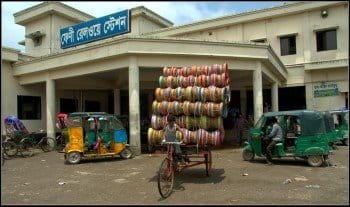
45	179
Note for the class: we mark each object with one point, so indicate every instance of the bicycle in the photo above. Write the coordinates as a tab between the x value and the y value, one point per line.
25	144
171	164
166	171
28	143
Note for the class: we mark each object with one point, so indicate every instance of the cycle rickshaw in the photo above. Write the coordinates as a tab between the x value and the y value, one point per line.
192	154
19	139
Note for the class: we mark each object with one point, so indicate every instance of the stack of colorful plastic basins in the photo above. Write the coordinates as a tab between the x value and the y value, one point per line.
198	96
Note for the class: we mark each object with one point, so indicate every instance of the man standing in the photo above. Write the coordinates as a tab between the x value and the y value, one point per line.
241	124
277	136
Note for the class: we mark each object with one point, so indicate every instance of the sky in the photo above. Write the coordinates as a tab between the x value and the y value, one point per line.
178	12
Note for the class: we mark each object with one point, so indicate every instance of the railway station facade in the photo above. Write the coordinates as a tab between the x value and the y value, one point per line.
293	56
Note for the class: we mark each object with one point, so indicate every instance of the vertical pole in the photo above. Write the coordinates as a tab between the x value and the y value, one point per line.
50	108
257	93
134	106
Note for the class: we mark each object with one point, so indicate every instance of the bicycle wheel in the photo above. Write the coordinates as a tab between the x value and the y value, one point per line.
165	178
10	148
26	147
47	144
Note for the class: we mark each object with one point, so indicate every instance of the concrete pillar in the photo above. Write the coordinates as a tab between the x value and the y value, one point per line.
134	109
243	100
257	93
116	96
50	108
274	96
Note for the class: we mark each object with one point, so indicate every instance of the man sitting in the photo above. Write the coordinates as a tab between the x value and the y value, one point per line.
277	136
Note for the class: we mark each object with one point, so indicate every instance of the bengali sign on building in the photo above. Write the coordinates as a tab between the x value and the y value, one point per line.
325	89
96	29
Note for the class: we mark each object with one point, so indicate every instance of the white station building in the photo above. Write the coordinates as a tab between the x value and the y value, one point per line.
293	56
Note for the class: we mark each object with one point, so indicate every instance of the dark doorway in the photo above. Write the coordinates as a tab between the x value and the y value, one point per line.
68	105
111	103
291	98
92	106
124	102
235	99
250	100
233	108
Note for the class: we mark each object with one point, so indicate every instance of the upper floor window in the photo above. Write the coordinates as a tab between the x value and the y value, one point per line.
29	107
288	45
326	40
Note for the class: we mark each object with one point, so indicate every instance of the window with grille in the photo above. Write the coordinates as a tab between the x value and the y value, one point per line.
326	40
288	45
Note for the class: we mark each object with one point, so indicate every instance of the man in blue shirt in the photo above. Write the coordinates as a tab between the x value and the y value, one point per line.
277	136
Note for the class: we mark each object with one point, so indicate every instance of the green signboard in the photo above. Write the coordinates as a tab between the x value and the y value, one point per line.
325	89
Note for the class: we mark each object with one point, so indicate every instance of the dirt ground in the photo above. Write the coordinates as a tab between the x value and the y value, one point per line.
45	179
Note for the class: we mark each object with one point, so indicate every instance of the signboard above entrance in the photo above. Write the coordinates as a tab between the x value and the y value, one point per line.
96	29
326	89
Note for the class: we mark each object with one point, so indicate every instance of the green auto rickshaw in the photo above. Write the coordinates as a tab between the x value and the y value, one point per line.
341	124
304	137
95	136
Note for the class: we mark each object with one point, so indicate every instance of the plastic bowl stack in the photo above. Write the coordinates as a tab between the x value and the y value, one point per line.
198	96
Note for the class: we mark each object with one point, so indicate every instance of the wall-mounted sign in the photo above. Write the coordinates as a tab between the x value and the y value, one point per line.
326	89
96	29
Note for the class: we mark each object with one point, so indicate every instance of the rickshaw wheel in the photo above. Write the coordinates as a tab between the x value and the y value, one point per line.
10	148
165	178
126	153
26	147
48	144
315	160
248	155
73	157
208	163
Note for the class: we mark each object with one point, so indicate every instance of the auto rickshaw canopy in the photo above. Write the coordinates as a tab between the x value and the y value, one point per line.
312	122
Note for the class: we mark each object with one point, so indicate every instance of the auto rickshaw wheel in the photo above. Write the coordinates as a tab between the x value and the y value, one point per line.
315	160
345	142
73	157
126	153
248	155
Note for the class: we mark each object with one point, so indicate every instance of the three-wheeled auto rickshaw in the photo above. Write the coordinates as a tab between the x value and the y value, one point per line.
341	124
94	136
305	140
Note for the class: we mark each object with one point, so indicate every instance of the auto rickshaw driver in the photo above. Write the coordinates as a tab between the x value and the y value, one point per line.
276	136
